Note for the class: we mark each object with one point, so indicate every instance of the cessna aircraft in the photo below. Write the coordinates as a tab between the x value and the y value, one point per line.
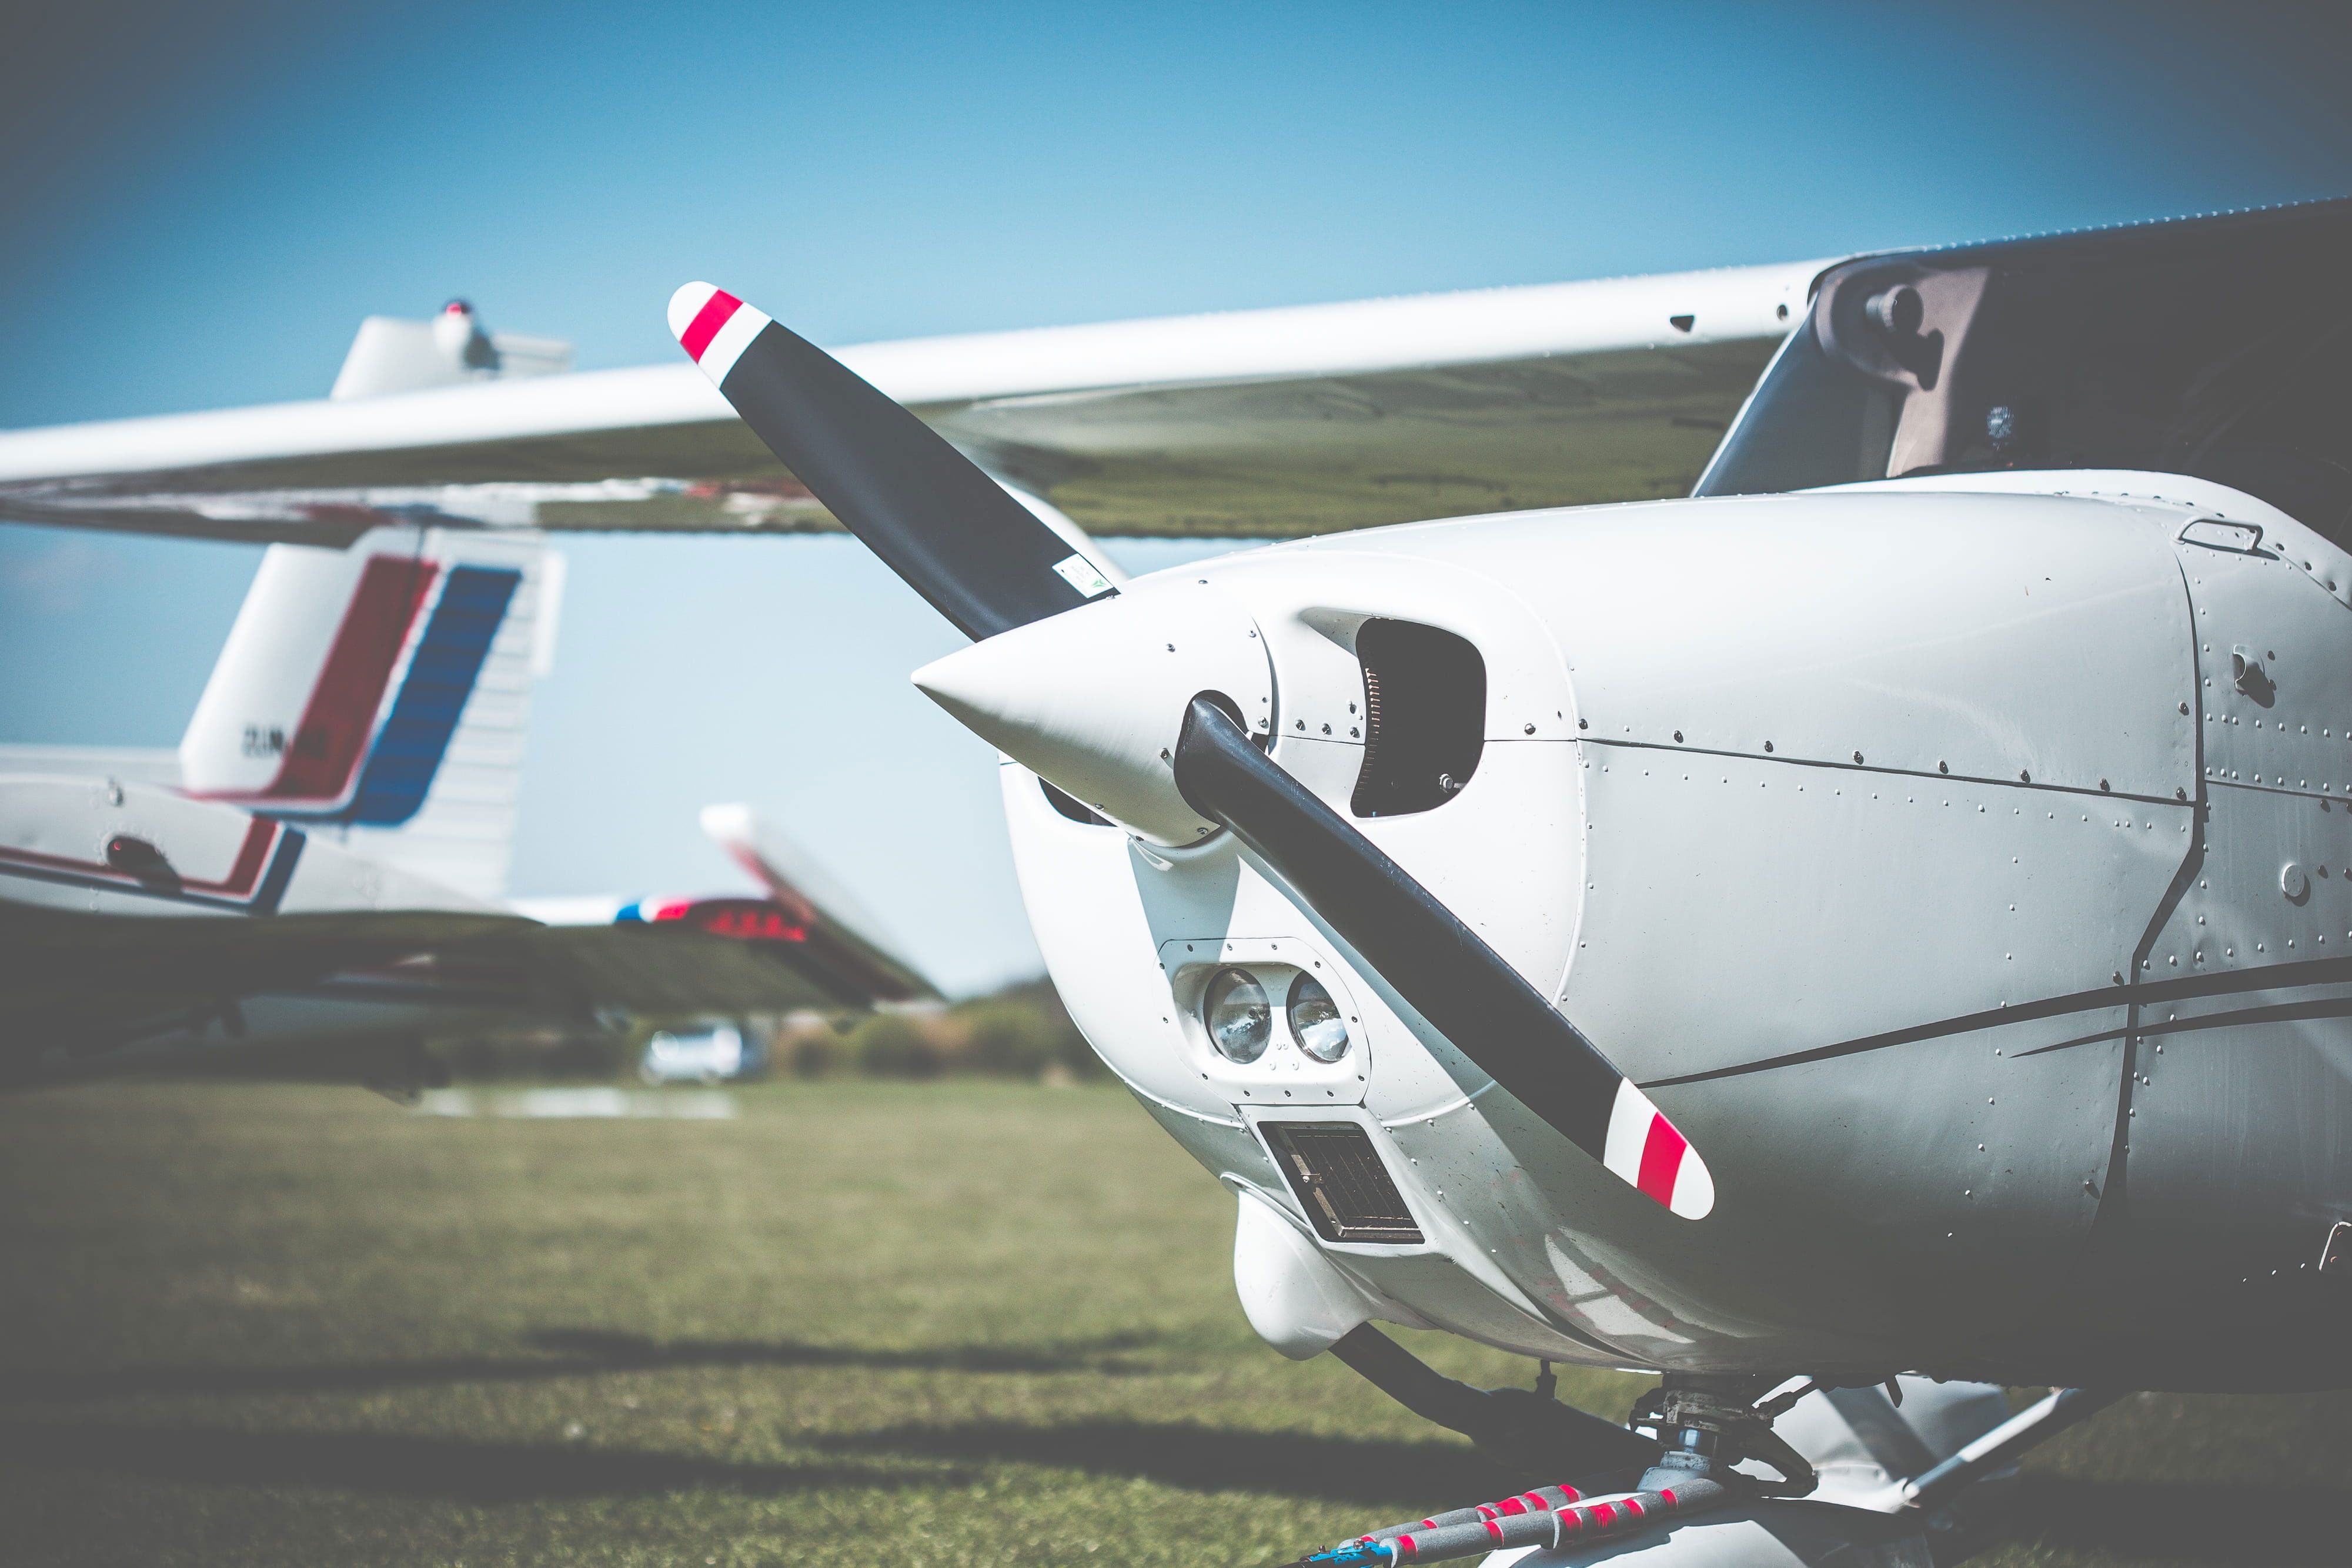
1885	913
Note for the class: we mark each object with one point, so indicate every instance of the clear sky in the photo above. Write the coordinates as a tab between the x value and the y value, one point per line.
200	203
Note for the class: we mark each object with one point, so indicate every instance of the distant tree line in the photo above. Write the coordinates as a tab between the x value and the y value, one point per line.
1021	1032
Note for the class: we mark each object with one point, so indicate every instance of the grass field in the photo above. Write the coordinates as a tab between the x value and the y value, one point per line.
963	1322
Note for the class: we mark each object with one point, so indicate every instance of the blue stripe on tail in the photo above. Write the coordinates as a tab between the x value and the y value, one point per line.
441	675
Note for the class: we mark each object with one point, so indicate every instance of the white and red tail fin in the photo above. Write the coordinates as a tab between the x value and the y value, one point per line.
838	933
379	694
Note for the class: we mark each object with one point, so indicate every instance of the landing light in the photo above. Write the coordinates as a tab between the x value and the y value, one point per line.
1237	1015
1314	1021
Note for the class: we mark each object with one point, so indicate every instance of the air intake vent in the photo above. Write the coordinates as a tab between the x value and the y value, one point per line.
1341	1182
1071	807
1425	717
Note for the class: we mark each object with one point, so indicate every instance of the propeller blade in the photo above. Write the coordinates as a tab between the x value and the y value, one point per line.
984	559
990	566
1462	985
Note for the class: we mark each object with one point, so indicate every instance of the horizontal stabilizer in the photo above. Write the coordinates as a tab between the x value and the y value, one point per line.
136	921
840	935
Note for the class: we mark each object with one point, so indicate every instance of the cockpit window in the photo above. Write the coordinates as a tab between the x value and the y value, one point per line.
2220	348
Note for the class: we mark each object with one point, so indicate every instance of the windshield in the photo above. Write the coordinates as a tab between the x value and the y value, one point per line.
2221	348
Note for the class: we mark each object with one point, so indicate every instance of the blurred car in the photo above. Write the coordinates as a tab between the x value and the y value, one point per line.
712	1055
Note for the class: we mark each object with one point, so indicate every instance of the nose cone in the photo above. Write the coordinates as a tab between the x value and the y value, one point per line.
1094	699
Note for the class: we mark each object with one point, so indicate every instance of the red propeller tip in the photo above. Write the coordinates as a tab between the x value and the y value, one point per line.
713	327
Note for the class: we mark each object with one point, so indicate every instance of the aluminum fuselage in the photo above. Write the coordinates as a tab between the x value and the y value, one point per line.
1917	846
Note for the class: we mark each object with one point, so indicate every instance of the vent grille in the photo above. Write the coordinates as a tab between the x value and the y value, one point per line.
1424	717
1341	1182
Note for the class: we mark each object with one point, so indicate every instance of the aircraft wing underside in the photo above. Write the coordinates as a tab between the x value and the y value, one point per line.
136	922
87	992
1269	423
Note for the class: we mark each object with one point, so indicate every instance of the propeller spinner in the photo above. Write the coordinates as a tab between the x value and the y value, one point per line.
1143	703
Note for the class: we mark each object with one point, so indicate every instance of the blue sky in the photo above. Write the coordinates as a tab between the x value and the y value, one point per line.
200	202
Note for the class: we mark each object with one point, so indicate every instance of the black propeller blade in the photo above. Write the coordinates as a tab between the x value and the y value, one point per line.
981	557
1454	979
989	565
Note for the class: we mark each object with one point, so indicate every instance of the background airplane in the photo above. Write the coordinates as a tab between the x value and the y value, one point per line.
346	794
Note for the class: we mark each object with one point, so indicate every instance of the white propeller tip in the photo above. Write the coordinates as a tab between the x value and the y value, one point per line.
1693	1196
713	327
687	304
1649	1153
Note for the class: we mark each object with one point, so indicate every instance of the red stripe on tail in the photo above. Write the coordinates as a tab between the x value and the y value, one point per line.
324	754
247	871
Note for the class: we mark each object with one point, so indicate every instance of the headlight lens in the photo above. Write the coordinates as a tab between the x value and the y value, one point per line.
1314	1021
1238	1018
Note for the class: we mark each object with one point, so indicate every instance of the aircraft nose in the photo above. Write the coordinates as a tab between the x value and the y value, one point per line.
1094	699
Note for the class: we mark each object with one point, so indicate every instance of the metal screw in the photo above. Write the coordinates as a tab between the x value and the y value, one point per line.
1531	729
1678	736
1857	757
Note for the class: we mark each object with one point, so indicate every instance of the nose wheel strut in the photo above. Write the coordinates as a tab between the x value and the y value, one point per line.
1706	1425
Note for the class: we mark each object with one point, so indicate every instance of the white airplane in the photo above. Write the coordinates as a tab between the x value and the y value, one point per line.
1886	912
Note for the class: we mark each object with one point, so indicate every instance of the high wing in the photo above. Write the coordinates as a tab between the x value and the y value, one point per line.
1273	422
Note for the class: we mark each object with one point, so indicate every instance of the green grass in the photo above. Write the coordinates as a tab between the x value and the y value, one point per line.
965	1323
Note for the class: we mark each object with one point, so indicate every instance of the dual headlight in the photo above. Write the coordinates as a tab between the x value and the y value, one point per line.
1240	1019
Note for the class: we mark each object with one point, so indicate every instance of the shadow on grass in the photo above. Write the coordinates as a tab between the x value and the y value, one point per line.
1405	1474
402	1466
570	1352
1398	1476
2288	1526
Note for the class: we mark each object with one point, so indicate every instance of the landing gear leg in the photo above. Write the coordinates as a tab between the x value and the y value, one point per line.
1530	1432
1706	1425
